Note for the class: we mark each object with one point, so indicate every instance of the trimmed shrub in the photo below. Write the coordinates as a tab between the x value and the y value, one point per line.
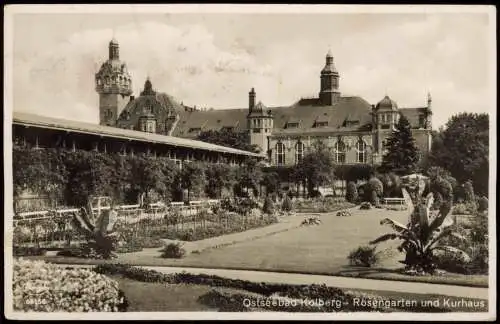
374	199
351	192
469	192
43	287
365	256
374	184
173	250
268	206
287	205
482	204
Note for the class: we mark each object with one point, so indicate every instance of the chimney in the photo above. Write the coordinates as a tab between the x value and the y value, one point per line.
251	99
132	98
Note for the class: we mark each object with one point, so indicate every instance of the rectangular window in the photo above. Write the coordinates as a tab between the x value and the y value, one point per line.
321	124
256	130
292	125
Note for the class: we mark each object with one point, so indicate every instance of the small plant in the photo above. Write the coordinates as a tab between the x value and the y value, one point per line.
365	205
173	250
364	256
343	213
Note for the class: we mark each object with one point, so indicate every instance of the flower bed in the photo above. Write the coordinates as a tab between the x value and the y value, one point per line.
42	287
320	205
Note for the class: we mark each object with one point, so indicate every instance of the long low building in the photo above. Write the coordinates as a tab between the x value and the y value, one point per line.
41	131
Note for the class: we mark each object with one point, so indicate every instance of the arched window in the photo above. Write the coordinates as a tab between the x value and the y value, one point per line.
280	153
299	152
361	151
340	152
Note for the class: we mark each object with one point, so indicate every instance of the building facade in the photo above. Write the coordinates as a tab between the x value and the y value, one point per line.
352	128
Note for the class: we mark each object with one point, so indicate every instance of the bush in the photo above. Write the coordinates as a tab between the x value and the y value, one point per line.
43	287
374	184
442	187
28	251
173	250
464	209
365	205
365	256
482	204
268	206
351	192
287	205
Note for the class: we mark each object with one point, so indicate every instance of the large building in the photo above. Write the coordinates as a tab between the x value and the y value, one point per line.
352	128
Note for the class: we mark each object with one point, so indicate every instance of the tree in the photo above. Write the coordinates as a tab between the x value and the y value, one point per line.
271	182
423	235
316	168
229	138
469	192
147	176
218	177
192	178
402	155
249	176
351	192
462	147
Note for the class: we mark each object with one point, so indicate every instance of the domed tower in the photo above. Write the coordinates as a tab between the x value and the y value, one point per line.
329	90
259	123
114	86
385	118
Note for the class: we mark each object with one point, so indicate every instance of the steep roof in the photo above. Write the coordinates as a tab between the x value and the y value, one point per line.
354	109
210	120
94	129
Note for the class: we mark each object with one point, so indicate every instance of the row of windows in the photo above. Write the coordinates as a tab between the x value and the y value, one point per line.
339	152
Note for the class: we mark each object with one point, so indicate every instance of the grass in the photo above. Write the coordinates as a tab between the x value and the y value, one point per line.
321	249
155	297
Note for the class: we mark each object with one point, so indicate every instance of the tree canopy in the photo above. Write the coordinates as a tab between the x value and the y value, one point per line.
238	140
317	167
462	148
402	155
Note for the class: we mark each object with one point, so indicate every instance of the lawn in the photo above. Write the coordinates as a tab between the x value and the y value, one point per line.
155	297
321	249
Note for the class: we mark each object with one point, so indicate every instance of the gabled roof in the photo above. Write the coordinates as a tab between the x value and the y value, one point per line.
211	120
94	129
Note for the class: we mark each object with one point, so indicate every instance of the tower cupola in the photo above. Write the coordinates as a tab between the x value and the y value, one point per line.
329	88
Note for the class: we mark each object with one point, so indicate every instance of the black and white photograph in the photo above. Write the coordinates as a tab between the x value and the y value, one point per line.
253	161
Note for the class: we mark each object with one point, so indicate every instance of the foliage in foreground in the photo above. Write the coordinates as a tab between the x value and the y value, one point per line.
424	234
43	287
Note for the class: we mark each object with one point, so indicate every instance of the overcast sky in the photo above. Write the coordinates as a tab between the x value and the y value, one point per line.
214	59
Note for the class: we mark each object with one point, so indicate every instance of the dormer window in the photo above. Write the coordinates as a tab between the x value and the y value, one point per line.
321	124
228	128
195	129
292	125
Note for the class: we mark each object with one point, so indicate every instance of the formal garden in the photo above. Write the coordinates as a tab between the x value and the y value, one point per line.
407	220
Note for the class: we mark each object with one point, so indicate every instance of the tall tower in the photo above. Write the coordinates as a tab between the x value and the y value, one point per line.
428	112
114	86
259	122
329	89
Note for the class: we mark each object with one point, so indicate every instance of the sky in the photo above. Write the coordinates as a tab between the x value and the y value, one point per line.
211	59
